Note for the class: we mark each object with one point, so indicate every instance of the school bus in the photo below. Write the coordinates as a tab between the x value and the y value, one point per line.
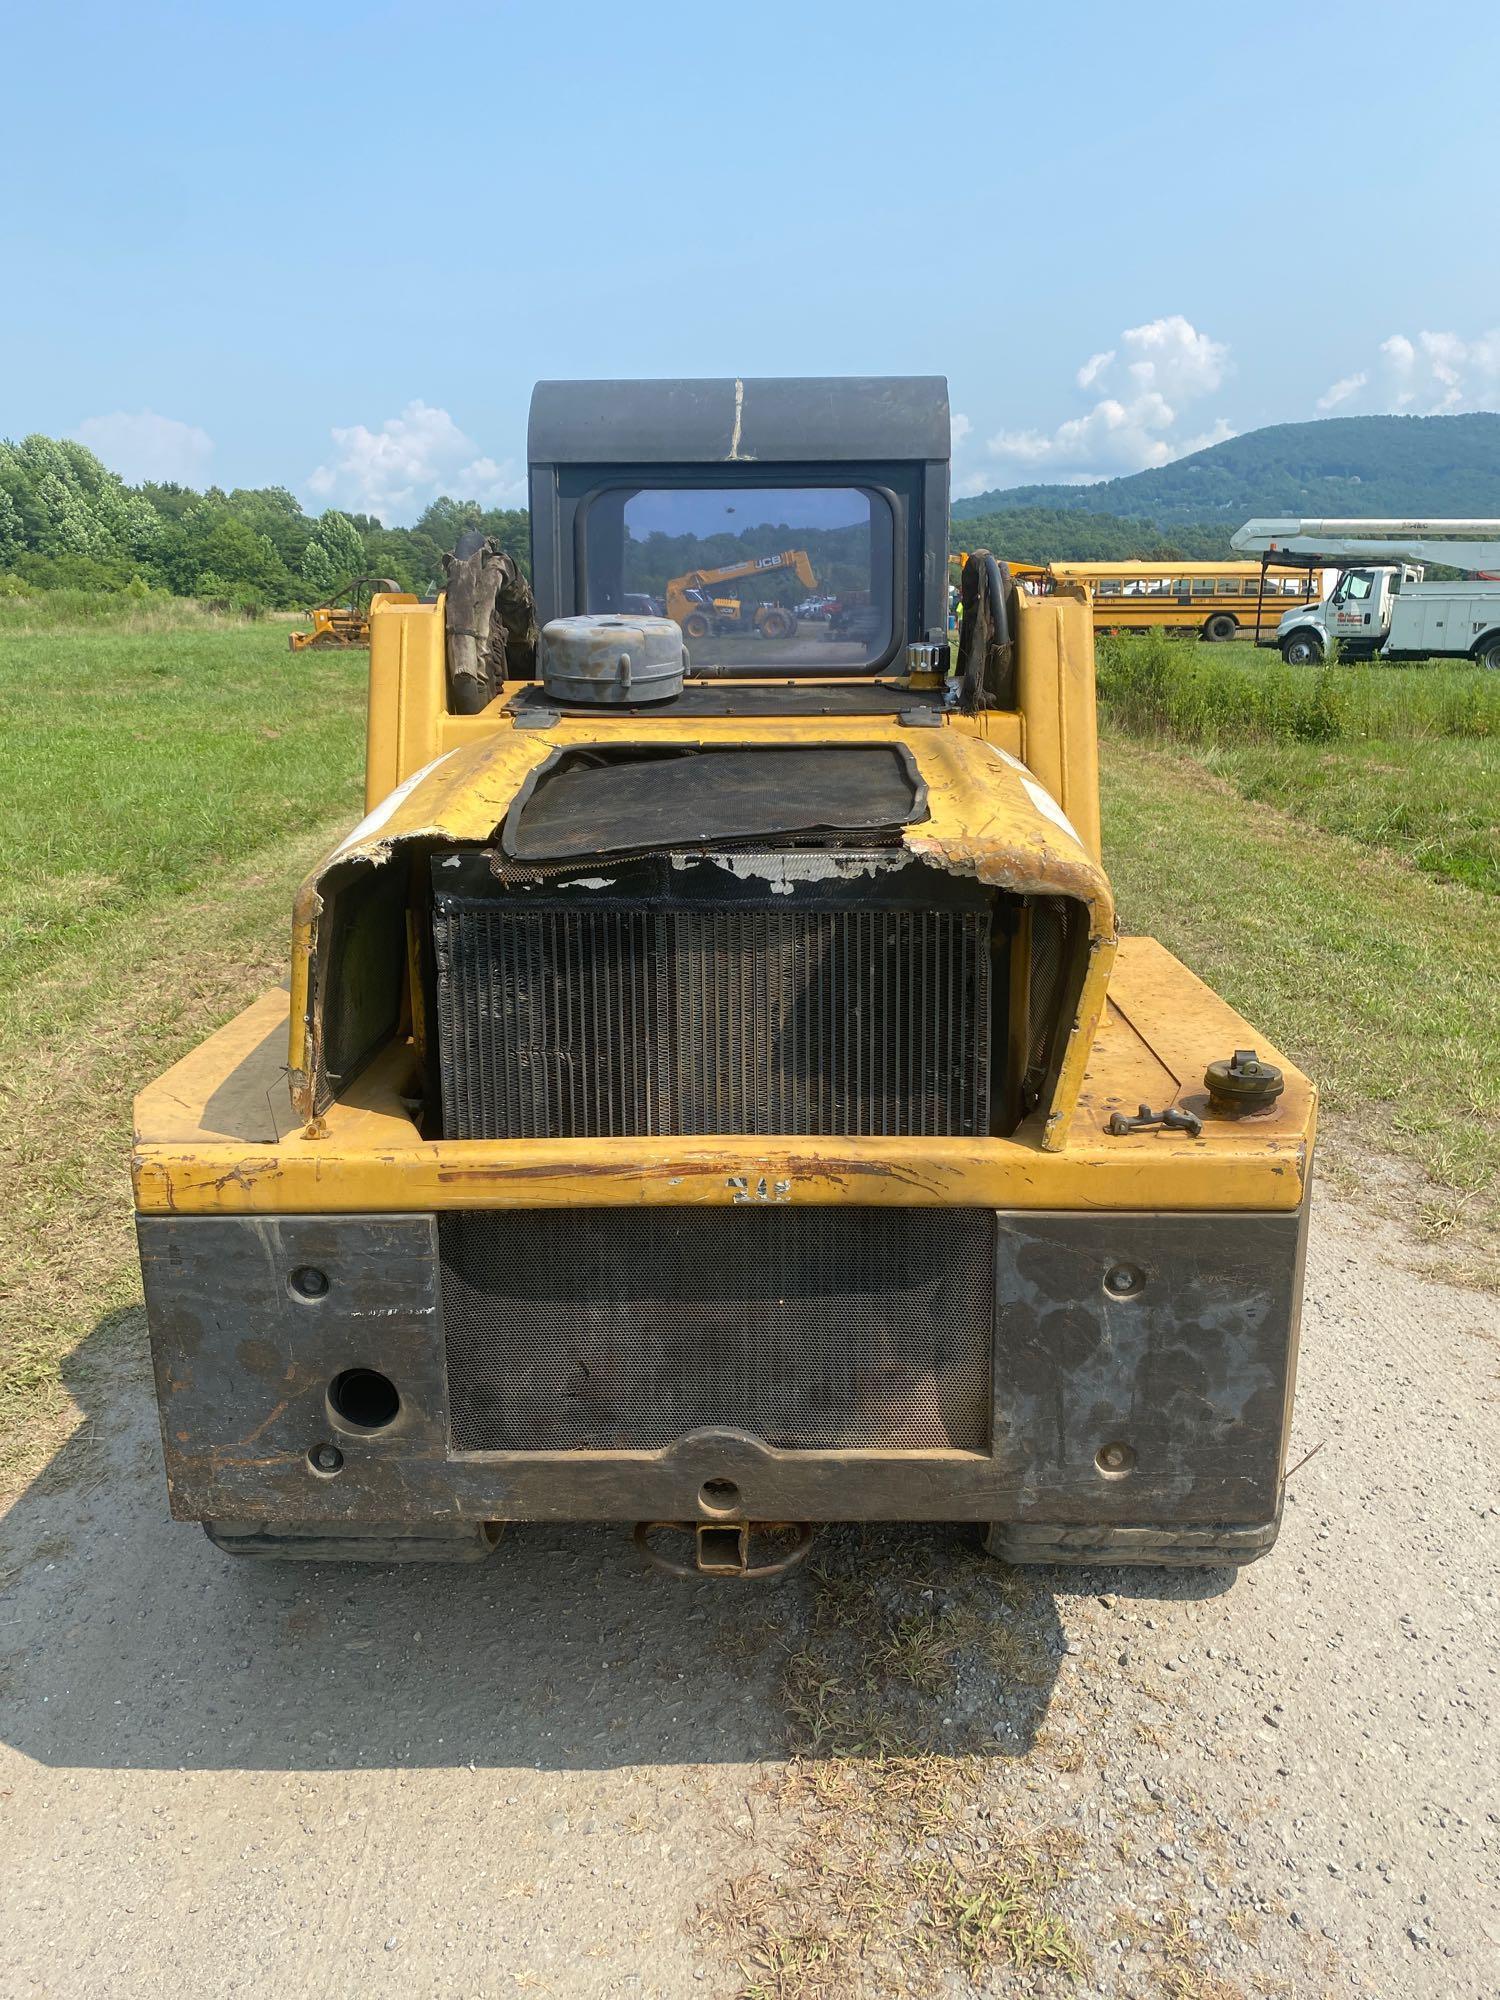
1214	600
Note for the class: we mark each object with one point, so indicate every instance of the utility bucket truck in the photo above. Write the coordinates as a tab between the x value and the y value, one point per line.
1383	606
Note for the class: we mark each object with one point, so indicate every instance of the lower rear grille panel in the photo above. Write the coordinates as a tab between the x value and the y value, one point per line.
809	1328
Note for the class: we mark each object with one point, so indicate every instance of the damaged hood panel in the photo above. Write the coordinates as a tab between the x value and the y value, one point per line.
951	799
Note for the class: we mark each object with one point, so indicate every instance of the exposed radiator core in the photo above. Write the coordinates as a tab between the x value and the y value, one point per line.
692	997
810	1328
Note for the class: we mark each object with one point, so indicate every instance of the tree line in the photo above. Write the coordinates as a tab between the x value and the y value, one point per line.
67	521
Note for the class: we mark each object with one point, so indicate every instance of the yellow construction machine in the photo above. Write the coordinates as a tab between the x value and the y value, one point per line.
692	603
717	1098
345	619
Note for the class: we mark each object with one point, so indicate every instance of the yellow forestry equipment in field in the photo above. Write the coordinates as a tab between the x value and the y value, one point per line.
720	1099
692	604
345	619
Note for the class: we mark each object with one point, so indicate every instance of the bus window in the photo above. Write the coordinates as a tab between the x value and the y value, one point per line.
1203	586
1231	586
1109	586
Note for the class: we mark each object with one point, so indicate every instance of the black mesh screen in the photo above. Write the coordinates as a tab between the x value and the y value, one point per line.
811	1328
616	1021
1050	917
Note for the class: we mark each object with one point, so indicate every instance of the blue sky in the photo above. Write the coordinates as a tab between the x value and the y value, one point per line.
332	246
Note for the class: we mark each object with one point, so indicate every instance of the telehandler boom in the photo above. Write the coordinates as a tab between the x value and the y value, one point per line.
690	599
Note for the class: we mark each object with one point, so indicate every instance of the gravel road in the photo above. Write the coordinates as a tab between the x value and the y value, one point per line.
222	1778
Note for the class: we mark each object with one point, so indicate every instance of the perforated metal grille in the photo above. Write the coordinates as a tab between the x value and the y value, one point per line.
812	1328
1050	917
571	1023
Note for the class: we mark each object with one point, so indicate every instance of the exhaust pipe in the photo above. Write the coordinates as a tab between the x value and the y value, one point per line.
725	1548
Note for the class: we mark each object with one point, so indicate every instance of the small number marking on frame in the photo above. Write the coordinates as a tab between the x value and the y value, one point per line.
744	1189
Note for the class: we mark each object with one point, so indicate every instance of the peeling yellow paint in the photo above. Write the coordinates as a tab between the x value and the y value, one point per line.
373	1159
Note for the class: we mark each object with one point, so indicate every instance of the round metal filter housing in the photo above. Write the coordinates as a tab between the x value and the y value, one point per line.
611	660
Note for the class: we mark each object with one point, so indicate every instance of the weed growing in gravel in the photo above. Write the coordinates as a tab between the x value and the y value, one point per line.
891	1873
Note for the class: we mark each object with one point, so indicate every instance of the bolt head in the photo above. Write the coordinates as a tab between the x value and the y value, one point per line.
326	1457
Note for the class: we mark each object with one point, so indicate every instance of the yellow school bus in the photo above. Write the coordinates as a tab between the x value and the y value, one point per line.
1214	600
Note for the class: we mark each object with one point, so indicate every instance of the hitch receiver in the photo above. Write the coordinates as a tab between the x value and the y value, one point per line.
724	1548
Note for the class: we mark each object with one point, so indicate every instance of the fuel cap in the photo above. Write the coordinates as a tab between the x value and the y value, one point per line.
1243	1082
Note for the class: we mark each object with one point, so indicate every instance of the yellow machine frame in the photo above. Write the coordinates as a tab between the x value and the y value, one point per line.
207	1142
1105	1285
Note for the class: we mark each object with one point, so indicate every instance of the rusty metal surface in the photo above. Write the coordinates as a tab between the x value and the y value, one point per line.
988	818
1199	1547
833	1329
1188	1369
212	1135
1144	1365
742	991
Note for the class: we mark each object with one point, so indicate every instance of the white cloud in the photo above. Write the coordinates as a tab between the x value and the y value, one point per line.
1341	391
959	427
1093	368
141	445
395	470
1433	374
1141	388
1174	358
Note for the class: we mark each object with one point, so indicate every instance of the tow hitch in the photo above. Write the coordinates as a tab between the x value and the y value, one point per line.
729	1548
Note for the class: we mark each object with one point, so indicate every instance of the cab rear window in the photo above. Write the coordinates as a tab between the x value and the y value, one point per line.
762	579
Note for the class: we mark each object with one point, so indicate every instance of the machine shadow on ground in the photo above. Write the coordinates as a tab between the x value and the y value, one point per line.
132	1643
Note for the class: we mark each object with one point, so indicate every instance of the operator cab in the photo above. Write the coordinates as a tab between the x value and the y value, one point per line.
736	503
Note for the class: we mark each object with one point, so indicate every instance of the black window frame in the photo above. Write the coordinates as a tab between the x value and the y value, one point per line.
900	485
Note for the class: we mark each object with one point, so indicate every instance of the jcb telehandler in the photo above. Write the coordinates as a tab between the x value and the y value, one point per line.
720	1100
693	605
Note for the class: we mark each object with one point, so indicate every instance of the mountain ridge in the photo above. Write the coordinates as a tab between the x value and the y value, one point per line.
1355	466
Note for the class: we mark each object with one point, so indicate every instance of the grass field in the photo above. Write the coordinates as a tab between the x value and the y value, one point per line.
162	791
134	765
1404	758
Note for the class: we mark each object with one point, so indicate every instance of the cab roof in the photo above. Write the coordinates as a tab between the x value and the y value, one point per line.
795	419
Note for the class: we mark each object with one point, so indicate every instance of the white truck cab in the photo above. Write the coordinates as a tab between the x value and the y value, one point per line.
1356	613
1388	609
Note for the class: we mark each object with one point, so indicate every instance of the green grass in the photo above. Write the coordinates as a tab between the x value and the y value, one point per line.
1431	800
134	765
161	794
135	609
1380	981
1404	758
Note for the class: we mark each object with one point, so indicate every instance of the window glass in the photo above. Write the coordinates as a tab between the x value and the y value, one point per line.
761	579
1231	586
1203	586
1360	582
1108	586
